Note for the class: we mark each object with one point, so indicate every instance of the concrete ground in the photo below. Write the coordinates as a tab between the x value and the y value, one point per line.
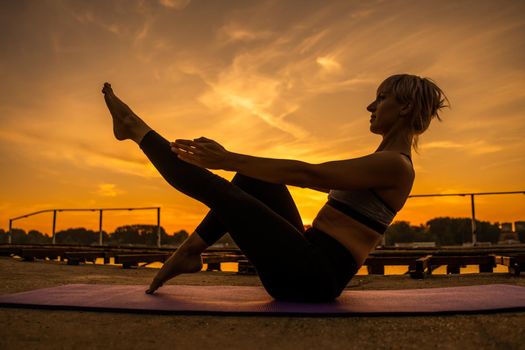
54	329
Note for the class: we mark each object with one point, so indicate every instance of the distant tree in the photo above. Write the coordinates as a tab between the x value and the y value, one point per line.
521	235
37	237
137	234
176	238
487	232
3	236
125	235
18	236
79	235
456	231
450	231
403	232
399	232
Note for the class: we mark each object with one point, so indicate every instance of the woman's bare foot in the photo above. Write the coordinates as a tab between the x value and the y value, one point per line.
126	124
179	262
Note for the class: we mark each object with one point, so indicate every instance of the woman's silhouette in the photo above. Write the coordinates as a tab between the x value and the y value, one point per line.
257	210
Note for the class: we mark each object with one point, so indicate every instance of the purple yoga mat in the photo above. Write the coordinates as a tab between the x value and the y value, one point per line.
184	299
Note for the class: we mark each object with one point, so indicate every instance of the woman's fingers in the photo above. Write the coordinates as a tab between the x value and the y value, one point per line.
185	145
183	142
155	284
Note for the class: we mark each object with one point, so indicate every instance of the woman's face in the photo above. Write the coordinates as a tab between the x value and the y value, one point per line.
386	111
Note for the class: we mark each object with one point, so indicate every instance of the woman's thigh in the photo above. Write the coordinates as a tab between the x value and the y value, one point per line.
275	196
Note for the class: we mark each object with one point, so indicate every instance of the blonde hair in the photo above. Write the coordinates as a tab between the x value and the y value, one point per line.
426	98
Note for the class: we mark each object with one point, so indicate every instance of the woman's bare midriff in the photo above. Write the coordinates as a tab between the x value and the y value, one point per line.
359	239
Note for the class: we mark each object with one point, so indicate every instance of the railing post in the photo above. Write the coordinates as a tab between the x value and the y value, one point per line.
158	227
54	224
10	236
100	227
473	226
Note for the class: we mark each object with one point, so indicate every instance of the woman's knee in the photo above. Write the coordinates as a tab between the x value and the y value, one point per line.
250	183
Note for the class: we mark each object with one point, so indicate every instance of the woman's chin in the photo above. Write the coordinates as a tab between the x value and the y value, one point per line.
374	131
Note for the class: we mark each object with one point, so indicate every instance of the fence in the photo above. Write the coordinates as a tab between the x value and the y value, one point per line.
55	211
472	204
100	211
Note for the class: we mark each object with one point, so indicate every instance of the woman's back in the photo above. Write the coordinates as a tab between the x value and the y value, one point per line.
358	218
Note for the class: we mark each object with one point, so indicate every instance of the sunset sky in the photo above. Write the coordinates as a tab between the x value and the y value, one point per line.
278	79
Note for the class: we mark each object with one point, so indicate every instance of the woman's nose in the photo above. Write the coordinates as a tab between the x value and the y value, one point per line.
371	107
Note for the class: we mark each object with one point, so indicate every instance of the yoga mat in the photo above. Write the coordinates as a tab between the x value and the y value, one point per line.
185	299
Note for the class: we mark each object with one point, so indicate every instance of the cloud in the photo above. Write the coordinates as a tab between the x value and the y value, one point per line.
516	161
478	147
329	64
443	145
235	32
108	190
175	4
242	88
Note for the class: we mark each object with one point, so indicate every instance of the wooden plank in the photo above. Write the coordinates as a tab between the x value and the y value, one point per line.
453	269
246	268
514	263
215	266
375	269
376	264
419	267
75	258
32	254
462	260
488	266
130	260
216	258
8	251
393	260
454	263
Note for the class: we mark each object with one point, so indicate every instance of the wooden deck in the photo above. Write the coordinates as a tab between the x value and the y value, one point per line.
420	262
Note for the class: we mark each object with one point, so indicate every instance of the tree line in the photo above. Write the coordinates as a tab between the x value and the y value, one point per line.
128	235
442	231
445	231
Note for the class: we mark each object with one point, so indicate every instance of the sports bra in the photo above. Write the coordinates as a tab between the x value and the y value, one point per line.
365	206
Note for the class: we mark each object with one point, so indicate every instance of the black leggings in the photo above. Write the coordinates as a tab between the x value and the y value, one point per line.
261	217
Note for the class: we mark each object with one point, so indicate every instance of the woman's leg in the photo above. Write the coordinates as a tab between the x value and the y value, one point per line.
187	258
275	196
288	265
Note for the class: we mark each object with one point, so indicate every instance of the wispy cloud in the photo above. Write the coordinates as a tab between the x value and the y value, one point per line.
175	4
478	147
235	32
108	190
329	64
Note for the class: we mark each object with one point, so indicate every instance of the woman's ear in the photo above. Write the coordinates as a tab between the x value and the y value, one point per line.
405	110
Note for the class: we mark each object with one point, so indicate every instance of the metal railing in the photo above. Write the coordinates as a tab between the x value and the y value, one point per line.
100	210
472	205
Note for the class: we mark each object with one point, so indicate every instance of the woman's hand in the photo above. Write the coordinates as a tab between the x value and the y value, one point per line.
203	152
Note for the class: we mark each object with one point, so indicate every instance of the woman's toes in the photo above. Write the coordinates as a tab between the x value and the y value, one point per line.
107	89
155	284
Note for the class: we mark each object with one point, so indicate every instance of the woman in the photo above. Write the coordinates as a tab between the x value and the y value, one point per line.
257	210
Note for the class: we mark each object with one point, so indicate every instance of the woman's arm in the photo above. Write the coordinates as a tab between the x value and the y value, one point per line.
375	170
381	169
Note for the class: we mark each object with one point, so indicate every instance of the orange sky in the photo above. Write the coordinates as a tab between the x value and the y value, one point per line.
280	79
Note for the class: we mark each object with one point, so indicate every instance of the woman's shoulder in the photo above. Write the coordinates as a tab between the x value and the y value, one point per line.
402	160
394	156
